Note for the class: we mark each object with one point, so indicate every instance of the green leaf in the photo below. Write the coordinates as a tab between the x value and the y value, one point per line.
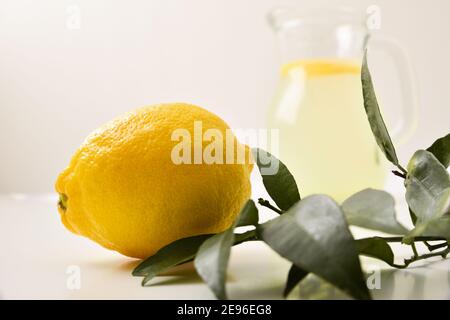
316	288
427	193
211	261
372	247
373	209
412	216
248	215
425	181
281	184
376	248
295	275
441	150
314	235
439	223
177	252
374	115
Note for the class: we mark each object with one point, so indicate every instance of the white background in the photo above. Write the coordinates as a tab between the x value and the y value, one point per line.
57	84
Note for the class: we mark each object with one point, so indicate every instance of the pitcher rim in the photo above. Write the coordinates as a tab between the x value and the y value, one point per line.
286	17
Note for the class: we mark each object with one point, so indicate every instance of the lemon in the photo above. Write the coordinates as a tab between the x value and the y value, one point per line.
123	190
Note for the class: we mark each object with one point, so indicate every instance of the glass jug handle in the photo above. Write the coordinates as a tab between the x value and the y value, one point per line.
407	123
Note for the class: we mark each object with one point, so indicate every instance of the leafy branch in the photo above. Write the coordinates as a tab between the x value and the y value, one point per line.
442	253
313	233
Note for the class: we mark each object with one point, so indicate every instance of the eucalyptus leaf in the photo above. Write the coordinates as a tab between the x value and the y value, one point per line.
280	184
314	235
295	275
177	252
376	248
441	150
374	115
373	209
425	181
211	261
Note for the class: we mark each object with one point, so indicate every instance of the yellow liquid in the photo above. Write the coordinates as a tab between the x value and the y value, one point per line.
325	138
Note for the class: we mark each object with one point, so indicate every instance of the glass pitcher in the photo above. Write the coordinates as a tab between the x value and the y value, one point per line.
325	138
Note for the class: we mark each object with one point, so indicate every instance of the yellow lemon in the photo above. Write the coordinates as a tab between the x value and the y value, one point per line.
124	189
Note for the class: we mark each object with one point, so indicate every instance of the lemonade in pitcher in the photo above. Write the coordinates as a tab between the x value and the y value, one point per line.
325	137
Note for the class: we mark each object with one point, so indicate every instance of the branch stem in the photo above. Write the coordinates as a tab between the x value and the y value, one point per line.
414	249
407	262
416	239
244	237
432	247
416	257
267	204
403	170
399	174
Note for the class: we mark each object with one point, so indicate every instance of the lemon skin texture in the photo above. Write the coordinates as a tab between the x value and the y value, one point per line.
123	191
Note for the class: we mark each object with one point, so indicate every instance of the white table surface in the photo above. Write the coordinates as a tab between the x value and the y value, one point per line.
36	252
